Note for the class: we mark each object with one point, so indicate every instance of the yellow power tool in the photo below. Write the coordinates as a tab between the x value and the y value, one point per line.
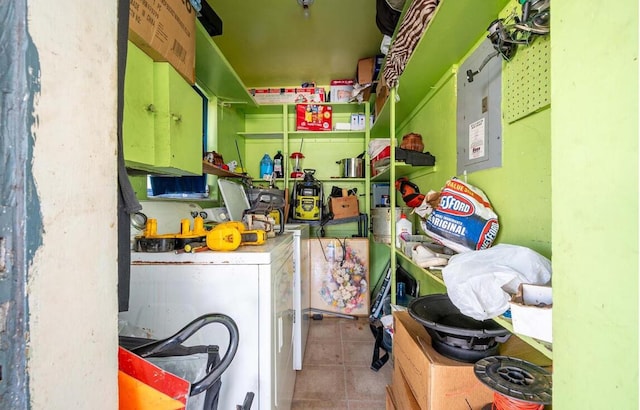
247	237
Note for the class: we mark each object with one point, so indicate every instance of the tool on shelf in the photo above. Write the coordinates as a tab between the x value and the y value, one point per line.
308	197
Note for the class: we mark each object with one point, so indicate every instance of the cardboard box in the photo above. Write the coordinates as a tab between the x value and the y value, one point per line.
341	90
166	31
313	117
287	95
382	93
344	207
389	402
401	392
531	311
437	382
365	70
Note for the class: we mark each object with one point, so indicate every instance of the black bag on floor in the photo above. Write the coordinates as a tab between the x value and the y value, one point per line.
378	361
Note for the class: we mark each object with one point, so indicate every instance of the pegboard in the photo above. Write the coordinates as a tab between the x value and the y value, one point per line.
528	80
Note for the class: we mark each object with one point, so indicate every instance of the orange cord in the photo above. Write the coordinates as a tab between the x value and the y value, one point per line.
501	402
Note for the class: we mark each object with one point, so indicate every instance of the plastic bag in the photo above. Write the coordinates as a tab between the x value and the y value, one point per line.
481	283
463	219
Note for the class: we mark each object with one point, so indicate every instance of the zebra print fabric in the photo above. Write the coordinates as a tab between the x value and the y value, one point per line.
411	30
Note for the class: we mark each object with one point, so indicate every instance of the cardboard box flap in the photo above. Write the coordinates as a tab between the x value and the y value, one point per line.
423	339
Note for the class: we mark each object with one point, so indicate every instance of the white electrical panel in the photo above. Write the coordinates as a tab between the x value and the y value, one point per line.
479	126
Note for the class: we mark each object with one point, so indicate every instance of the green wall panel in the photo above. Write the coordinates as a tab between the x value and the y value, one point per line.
519	191
594	129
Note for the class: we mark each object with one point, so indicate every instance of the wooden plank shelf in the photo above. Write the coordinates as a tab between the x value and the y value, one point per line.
208	168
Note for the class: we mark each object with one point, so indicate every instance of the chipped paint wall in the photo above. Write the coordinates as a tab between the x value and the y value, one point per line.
72	291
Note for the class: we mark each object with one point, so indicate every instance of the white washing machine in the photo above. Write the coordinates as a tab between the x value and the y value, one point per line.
301	290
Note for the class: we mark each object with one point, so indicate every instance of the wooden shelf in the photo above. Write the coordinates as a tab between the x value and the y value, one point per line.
208	168
455	28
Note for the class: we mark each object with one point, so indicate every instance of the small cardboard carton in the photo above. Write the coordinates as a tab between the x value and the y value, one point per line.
382	93
313	117
531	311
365	70
345	206
166	31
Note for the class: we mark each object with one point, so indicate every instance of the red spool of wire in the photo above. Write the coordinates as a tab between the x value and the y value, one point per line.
517	384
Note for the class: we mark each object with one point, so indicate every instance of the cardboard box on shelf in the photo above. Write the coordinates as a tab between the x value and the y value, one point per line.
382	93
437	382
344	207
313	117
166	33
364	76
365	70
341	90
531	310
288	95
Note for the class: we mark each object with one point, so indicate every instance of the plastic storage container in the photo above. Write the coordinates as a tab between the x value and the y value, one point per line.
404	229
266	166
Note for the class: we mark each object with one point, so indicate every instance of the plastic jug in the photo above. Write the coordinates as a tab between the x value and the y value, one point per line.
403	229
266	167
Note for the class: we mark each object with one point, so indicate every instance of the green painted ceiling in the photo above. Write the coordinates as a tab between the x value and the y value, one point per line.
270	43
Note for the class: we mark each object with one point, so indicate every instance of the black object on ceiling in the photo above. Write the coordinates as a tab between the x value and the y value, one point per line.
210	20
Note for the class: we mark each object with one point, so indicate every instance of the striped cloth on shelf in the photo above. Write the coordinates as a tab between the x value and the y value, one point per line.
410	32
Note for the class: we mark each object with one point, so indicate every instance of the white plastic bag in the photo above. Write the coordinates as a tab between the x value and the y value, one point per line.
480	283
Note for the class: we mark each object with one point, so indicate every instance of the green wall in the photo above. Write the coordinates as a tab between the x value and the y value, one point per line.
571	172
594	127
519	190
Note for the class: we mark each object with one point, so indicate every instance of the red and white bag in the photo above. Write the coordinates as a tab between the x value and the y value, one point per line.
463	220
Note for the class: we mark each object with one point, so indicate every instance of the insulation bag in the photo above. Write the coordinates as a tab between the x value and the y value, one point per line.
463	219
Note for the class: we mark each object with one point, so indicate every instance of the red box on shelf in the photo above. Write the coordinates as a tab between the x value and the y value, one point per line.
313	117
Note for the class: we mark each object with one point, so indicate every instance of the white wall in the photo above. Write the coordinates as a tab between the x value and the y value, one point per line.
72	289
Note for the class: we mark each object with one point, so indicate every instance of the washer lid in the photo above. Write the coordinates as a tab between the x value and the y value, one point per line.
235	198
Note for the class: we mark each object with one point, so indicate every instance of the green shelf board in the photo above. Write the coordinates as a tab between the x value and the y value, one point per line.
262	135
455	28
403	169
435	275
214	72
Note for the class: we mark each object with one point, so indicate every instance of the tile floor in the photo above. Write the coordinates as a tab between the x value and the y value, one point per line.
336	372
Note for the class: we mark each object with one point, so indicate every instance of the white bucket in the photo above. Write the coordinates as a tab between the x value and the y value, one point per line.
381	222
